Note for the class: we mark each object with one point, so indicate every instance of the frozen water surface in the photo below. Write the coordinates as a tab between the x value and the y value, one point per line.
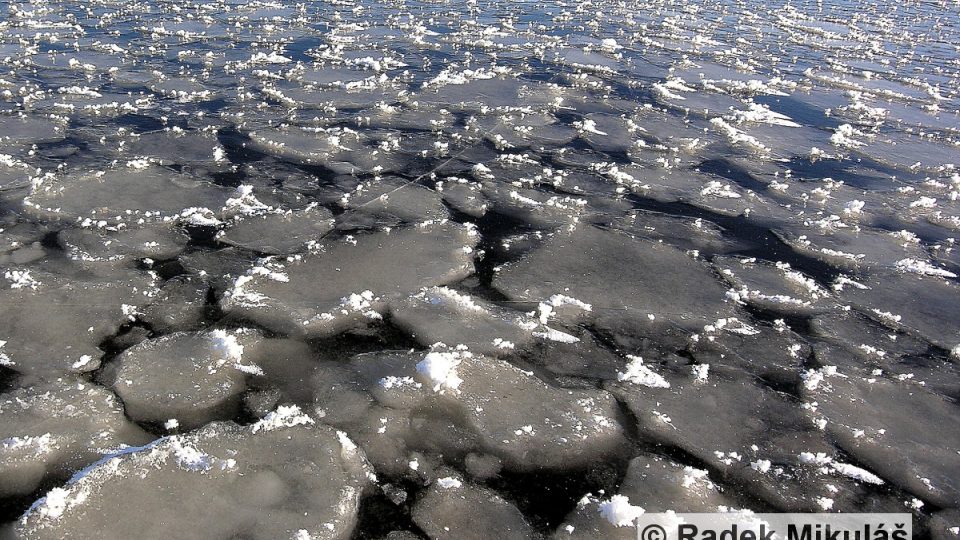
223	475
425	269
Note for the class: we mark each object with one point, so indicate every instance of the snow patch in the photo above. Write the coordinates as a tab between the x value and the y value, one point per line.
440	369
284	417
638	373
619	512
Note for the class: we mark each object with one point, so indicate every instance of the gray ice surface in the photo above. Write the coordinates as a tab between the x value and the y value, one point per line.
429	269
